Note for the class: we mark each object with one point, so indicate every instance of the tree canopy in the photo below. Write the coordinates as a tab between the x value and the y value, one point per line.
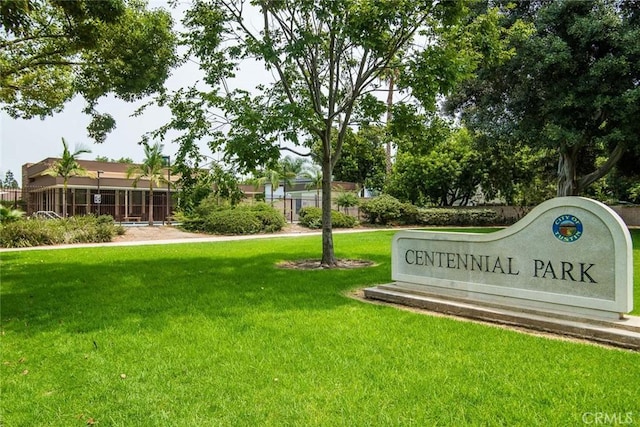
325	58
442	168
363	157
9	181
51	51
567	80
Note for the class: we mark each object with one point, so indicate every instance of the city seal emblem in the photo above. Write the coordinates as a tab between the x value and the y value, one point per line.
567	228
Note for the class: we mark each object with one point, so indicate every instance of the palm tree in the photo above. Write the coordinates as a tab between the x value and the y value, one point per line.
10	215
286	170
271	176
313	173
152	168
67	167
290	168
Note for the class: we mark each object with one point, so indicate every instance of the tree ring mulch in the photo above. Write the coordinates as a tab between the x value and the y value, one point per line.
315	264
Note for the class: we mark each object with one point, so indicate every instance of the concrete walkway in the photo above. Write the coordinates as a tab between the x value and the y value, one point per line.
190	240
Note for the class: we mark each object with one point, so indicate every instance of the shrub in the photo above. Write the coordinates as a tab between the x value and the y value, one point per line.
8	214
311	217
232	221
28	233
271	219
244	219
408	214
457	217
193	223
39	232
347	200
210	204
382	209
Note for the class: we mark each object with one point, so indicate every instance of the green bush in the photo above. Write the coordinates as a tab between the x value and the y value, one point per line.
28	233
311	217
8	214
386	209
347	200
244	219
457	217
232	221
193	223
383	209
408	214
210	204
271	219
39	232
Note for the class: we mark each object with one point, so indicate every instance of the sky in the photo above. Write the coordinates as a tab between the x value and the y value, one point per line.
30	141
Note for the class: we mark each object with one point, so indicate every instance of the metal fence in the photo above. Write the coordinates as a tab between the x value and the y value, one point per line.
290	207
11	197
122	205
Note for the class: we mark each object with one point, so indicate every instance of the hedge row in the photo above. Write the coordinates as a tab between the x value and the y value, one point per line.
311	217
39	232
386	209
245	219
460	217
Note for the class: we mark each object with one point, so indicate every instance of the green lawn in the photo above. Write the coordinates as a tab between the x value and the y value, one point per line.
214	334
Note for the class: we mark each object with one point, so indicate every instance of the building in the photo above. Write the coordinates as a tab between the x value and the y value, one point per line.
105	190
301	193
11	197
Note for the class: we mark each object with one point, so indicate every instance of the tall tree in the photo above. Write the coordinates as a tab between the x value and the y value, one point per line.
226	188
363	158
9	180
325	56
570	84
443	172
290	168
313	173
66	167
51	51
271	176
153	169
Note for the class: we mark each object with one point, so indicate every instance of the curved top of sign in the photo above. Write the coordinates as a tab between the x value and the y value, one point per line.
564	206
572	251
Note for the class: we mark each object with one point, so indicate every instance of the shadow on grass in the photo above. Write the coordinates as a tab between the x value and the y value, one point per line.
99	293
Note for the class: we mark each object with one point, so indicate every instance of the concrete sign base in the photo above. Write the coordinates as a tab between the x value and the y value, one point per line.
570	258
624	333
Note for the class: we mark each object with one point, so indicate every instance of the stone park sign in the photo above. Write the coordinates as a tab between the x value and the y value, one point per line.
570	257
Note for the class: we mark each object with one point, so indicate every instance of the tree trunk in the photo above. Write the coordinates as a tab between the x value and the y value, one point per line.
604	169
64	200
151	205
569	184
389	117
567	162
328	256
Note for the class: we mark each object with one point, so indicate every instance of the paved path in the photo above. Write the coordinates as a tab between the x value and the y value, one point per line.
193	240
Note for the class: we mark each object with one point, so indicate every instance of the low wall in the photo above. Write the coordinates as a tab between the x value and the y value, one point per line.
629	214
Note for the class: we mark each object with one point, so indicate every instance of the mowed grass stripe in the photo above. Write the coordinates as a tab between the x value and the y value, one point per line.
216	334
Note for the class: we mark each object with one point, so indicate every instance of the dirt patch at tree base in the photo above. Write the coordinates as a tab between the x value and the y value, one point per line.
315	264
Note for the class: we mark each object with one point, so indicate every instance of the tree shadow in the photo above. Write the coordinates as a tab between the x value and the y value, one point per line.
84	297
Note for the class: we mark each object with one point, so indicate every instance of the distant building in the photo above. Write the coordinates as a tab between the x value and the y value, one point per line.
12	196
106	190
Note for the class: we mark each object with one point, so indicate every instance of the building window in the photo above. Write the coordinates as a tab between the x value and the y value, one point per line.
81	196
